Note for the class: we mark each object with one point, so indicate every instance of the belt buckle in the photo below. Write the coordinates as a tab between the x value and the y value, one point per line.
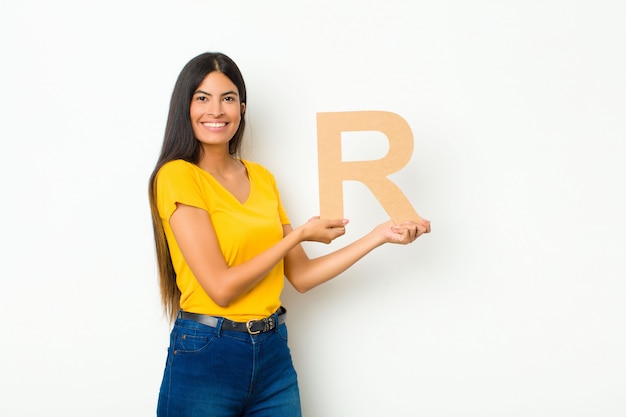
249	327
268	324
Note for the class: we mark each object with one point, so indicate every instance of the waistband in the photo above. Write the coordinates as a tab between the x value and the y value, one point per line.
251	326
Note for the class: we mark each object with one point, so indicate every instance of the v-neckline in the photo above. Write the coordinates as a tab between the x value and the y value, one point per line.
245	166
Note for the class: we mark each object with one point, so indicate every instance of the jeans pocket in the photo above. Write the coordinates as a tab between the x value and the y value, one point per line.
282	331
189	342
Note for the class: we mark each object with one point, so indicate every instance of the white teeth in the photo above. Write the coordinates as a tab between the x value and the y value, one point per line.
209	124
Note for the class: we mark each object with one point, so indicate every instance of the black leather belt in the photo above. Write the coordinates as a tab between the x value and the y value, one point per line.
251	326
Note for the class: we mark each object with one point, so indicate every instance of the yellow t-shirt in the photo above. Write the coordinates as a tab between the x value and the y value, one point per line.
243	230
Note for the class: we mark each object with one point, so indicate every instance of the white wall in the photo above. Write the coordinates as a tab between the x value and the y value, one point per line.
513	306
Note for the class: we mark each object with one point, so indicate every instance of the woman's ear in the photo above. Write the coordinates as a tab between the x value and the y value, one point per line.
243	108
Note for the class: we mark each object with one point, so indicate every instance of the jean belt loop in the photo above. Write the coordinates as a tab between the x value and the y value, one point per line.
218	327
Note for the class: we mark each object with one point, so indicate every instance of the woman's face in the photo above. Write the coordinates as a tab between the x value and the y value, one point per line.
215	110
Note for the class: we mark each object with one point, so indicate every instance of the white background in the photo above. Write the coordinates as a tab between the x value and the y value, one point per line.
513	306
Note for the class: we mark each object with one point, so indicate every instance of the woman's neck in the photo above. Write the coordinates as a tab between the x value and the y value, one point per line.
218	162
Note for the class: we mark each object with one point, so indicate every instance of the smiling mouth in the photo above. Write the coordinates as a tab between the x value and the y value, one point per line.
214	125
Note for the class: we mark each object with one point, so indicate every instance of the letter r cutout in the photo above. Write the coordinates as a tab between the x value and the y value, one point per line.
333	170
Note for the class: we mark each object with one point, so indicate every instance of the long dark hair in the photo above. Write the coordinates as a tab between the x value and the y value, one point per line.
179	142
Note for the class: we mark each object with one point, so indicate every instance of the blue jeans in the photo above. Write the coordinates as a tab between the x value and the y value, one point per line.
211	372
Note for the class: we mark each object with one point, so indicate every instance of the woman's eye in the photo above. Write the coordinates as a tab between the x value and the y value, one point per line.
229	98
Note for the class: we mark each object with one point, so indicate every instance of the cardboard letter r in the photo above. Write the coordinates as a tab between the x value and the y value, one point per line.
373	173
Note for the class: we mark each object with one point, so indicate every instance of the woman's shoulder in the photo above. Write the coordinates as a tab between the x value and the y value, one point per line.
255	166
177	166
177	173
258	171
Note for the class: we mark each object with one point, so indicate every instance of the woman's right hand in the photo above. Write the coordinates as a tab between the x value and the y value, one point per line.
323	230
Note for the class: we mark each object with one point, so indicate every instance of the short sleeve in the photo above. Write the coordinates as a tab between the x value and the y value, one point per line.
177	182
282	214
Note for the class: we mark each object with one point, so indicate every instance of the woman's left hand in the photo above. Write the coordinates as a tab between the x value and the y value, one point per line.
404	233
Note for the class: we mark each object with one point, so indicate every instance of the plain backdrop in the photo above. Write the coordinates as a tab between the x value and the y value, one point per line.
512	306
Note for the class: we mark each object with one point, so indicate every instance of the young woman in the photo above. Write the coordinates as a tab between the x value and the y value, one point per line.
224	246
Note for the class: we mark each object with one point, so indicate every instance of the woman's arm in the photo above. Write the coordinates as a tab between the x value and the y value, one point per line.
198	243
305	274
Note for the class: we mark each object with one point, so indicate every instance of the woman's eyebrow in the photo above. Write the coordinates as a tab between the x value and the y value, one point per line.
227	93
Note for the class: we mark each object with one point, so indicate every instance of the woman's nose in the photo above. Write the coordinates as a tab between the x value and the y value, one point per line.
215	108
